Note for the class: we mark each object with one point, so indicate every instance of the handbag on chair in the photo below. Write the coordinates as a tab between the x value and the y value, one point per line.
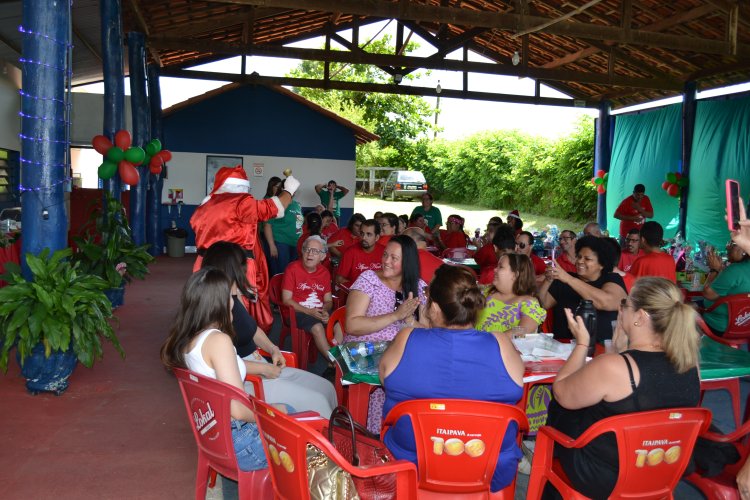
327	480
361	447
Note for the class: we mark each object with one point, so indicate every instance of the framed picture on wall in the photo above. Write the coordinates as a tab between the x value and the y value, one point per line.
214	163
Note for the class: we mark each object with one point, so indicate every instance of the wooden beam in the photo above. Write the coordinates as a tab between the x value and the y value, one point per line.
217	47
376	87
505	21
572	57
141	21
86	43
733	17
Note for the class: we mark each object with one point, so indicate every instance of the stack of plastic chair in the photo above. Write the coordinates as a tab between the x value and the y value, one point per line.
648	469
459	465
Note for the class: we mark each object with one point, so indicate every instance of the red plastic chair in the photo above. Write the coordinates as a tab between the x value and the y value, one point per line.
737	332
724	485
731	385
285	441
646	471
207	403
338	316
302	342
341	293
463	464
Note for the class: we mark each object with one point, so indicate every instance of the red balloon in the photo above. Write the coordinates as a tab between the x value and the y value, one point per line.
165	154
593	181
155	170
673	190
600	189
128	173
101	144
122	139
678	175
665	185
156	161
600	173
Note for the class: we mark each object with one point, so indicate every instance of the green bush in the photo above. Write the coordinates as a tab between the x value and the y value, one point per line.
505	169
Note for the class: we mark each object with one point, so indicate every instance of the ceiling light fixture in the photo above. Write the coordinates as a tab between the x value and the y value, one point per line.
515	59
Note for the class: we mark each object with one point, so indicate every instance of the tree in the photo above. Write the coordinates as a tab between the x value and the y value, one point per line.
397	119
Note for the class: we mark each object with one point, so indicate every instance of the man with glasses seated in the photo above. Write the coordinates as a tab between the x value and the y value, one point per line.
524	246
631	251
306	288
730	279
567	256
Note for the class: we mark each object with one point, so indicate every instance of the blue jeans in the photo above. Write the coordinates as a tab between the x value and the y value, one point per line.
248	446
287	253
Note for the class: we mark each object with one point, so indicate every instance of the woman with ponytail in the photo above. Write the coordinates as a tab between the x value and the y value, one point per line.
452	359
655	367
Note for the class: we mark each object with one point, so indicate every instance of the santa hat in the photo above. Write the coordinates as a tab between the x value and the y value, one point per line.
229	180
515	215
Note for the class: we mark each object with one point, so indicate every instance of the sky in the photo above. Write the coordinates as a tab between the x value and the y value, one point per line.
458	117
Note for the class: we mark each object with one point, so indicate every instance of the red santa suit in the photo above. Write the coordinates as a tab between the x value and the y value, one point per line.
230	213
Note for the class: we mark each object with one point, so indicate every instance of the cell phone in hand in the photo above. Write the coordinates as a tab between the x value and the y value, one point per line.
733	204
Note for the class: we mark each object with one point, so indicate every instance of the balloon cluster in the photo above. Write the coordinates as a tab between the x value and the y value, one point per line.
123	158
600	181
674	183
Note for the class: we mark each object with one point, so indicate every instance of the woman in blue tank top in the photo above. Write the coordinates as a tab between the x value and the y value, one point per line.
452	360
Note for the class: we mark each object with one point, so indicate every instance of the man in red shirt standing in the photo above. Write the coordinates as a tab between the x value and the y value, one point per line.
631	251
306	288
654	262
634	210
428	263
360	258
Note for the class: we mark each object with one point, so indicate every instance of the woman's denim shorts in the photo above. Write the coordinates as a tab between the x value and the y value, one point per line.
248	446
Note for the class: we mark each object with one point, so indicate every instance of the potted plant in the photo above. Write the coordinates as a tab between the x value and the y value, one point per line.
55	319
106	249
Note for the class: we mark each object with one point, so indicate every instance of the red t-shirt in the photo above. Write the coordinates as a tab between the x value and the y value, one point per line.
308	288
428	264
486	259
655	264
626	208
539	266
329	231
627	259
566	264
346	236
355	261
453	239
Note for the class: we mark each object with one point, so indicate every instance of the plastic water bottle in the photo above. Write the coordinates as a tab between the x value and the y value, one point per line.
587	312
368	348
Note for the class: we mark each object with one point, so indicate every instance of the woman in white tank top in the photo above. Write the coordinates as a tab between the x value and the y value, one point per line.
200	340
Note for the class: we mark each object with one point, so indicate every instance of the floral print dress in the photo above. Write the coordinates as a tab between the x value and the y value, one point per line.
497	316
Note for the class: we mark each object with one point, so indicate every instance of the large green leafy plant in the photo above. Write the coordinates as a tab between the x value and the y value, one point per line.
60	307
106	247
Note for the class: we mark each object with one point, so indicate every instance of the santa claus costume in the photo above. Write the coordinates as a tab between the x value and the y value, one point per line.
230	213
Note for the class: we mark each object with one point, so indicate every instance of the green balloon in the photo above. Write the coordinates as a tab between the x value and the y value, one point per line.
107	169
682	182
598	181
606	177
151	149
115	154
671	177
135	155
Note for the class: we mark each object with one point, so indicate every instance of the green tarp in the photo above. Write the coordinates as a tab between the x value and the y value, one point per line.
646	147
721	150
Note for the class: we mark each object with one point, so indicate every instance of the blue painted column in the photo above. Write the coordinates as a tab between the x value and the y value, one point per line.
141	131
602	157
154	233
688	127
44	126
113	74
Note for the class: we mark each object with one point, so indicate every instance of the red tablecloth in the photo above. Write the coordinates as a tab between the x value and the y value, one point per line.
11	253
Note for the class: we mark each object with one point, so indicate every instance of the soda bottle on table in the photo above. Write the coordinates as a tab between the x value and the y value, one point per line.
587	312
368	348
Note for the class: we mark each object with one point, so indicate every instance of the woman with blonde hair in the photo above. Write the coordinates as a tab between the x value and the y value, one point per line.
510	302
655	367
